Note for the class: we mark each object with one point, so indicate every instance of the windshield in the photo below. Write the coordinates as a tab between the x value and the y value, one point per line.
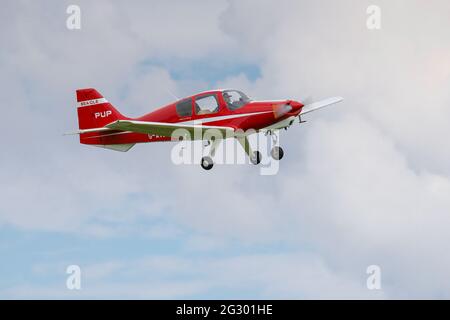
235	99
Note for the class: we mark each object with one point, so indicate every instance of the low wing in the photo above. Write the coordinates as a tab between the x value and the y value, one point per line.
166	129
319	105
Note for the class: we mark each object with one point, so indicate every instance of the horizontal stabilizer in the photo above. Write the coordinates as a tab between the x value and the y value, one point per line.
86	131
116	147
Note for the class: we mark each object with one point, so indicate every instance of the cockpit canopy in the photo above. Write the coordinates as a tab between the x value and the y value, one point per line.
235	99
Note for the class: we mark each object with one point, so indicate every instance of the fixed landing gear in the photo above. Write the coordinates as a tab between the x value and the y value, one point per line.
256	158
207	163
277	153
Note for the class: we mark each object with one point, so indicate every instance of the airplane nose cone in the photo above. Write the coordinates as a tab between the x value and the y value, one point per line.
296	106
281	109
289	107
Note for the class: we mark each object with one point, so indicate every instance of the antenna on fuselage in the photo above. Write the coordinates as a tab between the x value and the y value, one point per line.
171	93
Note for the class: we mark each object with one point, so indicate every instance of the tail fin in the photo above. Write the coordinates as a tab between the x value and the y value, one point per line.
94	111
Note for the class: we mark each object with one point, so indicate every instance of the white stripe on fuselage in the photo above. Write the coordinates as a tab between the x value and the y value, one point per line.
220	118
190	122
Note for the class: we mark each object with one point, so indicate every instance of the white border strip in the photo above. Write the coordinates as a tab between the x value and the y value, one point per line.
220	118
92	102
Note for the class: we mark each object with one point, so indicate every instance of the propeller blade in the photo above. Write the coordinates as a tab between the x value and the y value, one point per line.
307	100
281	109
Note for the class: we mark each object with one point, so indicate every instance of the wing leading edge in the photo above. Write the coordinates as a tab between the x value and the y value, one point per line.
166	129
320	105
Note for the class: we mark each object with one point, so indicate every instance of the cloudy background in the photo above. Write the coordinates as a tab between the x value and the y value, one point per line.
364	183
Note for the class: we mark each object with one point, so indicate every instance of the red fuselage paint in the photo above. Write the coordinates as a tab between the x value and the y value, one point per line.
256	115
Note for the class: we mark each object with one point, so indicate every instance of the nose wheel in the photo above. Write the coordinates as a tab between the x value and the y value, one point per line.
277	153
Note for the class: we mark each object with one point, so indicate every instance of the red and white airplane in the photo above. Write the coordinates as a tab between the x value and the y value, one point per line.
229	112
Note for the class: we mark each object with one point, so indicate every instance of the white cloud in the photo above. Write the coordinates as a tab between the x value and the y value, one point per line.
365	183
262	276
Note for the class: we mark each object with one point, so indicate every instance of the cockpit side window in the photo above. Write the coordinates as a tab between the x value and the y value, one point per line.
184	108
206	104
235	99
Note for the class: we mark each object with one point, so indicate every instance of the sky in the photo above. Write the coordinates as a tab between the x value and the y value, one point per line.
363	183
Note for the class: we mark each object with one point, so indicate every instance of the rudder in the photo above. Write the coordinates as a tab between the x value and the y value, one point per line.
94	111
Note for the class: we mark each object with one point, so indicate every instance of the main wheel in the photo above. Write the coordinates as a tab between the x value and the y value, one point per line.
207	163
256	158
277	153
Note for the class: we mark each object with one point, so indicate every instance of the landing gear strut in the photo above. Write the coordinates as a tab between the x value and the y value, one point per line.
277	152
256	158
207	162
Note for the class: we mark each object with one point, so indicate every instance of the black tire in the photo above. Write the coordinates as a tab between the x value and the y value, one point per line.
277	153
256	158
207	163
